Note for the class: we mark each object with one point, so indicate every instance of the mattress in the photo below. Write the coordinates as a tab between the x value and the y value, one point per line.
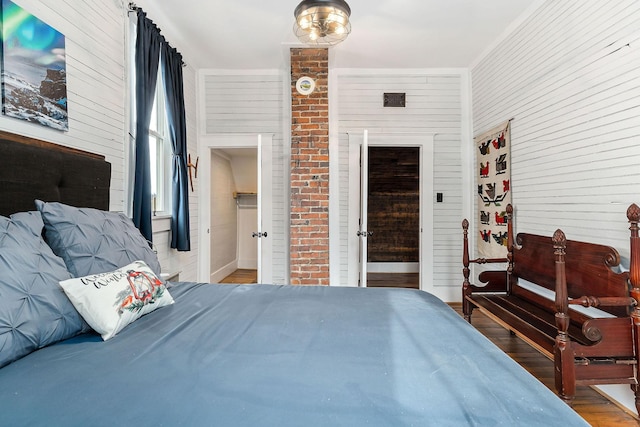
268	355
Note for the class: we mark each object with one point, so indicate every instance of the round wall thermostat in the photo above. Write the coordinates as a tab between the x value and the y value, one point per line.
305	85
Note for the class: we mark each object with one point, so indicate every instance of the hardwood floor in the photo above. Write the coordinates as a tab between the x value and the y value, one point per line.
393	280
593	407
374	280
242	276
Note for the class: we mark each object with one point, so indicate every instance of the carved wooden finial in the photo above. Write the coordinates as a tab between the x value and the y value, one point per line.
633	213
509	209
465	224
559	239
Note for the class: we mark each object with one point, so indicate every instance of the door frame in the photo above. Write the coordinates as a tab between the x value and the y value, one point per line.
381	139
207	144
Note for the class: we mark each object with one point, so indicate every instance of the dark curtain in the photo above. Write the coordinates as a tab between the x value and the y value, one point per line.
147	56
172	75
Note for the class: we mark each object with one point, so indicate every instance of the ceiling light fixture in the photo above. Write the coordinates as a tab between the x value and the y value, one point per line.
322	22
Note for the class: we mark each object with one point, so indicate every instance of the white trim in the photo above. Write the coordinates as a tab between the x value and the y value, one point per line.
363	212
286	154
467	154
240	72
206	144
223	272
161	223
401	71
334	179
425	141
353	245
201	103
265	208
129	120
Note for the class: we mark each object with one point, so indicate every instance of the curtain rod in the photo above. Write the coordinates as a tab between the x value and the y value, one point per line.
134	8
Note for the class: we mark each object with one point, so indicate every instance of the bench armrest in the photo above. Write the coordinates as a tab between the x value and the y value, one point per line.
589	301
495	281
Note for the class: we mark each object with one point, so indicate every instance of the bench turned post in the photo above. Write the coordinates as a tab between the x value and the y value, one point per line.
633	215
510	247
565	378
466	306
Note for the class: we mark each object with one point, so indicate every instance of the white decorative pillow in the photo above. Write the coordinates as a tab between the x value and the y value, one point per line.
110	301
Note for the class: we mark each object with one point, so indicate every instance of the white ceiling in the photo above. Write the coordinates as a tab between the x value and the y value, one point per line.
254	34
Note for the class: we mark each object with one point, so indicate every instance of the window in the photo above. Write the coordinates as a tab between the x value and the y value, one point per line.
155	179
160	154
159	141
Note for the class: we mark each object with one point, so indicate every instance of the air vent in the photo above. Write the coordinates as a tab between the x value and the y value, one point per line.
394	99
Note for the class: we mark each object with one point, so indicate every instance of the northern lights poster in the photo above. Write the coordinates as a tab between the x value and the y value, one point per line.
34	78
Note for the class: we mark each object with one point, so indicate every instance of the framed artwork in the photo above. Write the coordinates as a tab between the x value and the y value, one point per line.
34	76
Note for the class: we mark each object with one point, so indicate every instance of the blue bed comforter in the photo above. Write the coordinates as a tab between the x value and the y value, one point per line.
266	355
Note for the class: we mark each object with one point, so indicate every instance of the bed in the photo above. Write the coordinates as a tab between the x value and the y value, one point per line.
231	355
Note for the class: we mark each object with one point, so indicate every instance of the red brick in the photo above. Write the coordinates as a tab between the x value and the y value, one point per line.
309	220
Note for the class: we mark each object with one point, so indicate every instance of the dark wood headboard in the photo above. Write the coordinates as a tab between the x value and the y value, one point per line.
34	169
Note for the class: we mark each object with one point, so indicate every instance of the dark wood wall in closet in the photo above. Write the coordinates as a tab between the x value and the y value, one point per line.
393	204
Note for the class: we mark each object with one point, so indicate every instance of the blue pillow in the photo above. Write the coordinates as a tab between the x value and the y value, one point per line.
34	311
91	241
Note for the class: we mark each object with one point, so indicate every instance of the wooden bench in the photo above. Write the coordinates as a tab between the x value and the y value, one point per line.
587	349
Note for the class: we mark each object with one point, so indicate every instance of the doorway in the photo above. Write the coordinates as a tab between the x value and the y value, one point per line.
234	189
404	270
235	206
393	217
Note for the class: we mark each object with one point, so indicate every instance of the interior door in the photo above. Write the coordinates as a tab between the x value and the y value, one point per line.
356	205
263	233
362	232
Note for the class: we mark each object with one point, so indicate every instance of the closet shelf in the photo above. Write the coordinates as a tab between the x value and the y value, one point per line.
237	194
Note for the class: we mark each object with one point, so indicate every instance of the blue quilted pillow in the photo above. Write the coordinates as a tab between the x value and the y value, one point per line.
91	241
34	311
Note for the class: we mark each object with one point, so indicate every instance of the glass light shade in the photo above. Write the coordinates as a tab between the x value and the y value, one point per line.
322	22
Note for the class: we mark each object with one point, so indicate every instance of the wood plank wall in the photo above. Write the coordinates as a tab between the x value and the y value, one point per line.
251	102
96	58
433	105
394	204
95	89
568	76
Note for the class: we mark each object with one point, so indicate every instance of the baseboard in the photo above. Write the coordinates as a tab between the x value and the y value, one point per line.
249	264
223	272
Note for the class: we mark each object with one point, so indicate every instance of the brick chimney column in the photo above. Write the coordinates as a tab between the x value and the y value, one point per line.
309	224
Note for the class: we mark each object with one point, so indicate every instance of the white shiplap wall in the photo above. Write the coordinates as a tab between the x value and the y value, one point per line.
95	34
569	76
94	37
251	102
172	261
433	106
